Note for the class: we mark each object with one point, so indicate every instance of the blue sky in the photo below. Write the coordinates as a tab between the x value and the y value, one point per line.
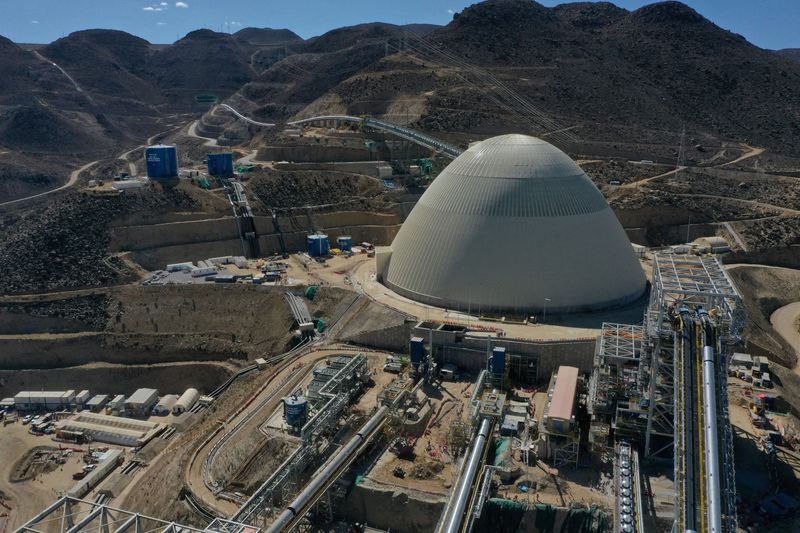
766	23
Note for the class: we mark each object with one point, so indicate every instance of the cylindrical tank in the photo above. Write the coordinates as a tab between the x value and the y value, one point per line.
162	161
220	164
345	243
294	410
318	245
186	401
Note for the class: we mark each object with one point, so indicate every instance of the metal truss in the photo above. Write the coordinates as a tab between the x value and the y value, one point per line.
73	515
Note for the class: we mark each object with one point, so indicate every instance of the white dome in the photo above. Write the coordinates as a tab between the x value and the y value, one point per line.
509	223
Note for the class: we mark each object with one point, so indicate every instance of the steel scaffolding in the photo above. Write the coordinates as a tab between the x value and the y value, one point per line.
696	282
71	515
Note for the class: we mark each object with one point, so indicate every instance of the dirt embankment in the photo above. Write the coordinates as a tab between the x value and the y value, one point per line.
763	290
80	313
157	493
284	188
156	324
104	378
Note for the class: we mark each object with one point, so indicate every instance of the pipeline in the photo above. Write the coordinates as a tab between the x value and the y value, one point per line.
327	474
454	513
710	429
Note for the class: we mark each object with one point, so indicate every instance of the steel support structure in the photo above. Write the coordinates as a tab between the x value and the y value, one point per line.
73	515
699	282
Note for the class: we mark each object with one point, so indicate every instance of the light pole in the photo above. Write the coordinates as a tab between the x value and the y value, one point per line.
544	313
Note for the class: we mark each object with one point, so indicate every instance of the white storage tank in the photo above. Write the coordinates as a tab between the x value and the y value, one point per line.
186	401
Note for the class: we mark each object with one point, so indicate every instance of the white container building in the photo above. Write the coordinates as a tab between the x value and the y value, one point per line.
141	402
178	267
81	398
97	402
39	400
116	404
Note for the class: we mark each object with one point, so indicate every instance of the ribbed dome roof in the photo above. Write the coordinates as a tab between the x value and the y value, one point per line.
510	222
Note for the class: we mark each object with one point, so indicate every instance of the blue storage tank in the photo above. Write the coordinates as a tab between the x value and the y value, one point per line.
417	350
162	161
295	408
345	243
498	361
318	245
220	164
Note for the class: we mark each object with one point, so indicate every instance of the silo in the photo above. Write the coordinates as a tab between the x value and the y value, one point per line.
220	164
318	245
162	161
295	408
186	401
345	243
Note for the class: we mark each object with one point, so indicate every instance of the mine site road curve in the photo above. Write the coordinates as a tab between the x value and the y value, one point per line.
388	127
73	178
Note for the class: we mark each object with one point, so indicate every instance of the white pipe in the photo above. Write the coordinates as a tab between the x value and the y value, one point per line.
323	475
455	511
712	446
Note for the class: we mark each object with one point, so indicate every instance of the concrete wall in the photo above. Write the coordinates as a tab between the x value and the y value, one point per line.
393	339
154	235
470	352
155	245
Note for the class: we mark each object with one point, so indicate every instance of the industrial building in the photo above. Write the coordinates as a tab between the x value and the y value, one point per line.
513	224
141	402
220	164
559	437
110	429
96	403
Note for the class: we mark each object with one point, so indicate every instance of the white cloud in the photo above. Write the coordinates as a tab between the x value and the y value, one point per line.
181	4
34	22
235	23
451	11
148	8
161	23
163	4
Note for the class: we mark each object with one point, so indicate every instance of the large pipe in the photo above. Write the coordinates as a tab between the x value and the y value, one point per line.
322	476
455	511
712	450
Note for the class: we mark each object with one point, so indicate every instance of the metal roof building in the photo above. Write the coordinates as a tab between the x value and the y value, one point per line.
513	224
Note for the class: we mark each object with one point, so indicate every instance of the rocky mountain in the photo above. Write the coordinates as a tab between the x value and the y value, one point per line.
268	36
790	53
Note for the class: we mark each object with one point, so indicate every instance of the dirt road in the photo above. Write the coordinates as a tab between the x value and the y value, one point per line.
73	178
275	388
192	132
